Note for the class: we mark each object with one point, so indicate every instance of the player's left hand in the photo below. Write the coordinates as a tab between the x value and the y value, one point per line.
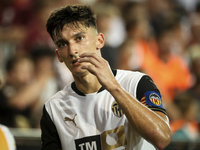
99	67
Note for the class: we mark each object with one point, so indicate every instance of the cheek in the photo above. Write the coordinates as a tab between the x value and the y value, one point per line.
61	55
89	45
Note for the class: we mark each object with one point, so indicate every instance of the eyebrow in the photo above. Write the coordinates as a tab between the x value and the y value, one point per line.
77	34
65	41
61	41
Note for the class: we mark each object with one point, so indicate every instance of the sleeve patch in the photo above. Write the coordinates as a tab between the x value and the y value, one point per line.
143	101
153	99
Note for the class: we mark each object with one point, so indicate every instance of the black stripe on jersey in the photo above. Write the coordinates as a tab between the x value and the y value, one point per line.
73	85
50	138
146	84
157	109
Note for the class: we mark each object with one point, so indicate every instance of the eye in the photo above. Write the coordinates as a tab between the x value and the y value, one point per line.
60	45
79	38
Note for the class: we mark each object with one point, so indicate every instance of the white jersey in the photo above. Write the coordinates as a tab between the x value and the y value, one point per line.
77	121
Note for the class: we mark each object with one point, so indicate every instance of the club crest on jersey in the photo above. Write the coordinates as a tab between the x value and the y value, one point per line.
154	98
116	109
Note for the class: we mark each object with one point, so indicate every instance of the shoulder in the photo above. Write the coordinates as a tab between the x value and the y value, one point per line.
135	80
136	77
129	75
60	96
129	78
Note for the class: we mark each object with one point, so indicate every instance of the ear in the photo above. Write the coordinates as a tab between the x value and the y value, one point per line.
100	41
59	58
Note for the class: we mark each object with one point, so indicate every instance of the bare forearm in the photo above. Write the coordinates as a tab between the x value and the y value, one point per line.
147	123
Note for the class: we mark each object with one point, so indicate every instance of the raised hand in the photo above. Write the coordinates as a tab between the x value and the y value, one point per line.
99	67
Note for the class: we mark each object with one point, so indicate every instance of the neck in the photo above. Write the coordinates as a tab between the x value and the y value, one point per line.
87	84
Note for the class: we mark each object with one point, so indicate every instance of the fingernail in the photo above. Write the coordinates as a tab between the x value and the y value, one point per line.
76	55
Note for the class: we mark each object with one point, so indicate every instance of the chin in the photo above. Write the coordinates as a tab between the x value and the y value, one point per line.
80	72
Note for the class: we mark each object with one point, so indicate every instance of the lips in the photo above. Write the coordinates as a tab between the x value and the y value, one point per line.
74	61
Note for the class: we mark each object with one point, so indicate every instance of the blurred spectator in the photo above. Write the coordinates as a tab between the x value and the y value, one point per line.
20	92
15	12
170	11
139	41
106	14
158	11
165	66
110	24
15	98
189	5
43	59
7	141
195	26
133	52
130	56
14	16
186	126
36	27
194	91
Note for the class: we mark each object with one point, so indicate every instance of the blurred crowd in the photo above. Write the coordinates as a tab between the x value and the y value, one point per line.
158	37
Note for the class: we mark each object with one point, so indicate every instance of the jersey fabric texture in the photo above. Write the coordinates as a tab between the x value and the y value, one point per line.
75	121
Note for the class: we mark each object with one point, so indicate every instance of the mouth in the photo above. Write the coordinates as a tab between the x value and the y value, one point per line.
75	61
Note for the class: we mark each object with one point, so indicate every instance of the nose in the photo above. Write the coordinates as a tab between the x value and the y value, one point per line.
73	49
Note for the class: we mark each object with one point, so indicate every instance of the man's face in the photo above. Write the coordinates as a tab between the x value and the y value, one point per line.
74	42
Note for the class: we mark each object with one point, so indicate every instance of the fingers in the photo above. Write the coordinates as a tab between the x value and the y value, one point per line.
99	67
95	63
92	69
90	54
92	58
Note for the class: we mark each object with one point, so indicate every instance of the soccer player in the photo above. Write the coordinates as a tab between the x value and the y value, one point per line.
103	108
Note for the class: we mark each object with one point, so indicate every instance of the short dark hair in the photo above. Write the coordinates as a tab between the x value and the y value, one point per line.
71	15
